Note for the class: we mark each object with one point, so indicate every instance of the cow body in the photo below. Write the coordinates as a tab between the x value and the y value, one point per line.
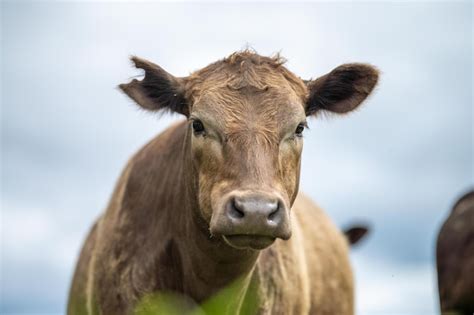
213	202
142	245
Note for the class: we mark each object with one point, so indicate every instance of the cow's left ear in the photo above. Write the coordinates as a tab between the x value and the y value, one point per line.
158	90
341	90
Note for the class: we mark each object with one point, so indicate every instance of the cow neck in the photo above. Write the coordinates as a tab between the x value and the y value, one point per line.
207	261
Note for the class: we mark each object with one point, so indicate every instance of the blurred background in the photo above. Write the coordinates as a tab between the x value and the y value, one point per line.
400	162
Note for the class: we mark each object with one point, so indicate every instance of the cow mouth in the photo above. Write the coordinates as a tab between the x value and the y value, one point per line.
241	241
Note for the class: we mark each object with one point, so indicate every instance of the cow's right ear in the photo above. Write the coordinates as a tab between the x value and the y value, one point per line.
158	90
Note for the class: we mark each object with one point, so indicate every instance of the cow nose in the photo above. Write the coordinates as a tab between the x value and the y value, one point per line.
253	215
255	210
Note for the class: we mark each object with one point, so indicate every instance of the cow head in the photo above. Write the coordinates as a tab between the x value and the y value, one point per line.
247	115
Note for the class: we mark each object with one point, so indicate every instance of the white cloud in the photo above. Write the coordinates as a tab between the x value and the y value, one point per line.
389	288
32	235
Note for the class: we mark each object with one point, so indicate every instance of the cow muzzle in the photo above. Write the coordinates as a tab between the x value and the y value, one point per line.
251	220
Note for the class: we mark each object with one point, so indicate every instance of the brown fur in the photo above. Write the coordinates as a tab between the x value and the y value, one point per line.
162	230
455	258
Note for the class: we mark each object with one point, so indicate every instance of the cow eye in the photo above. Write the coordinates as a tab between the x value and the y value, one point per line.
198	127
299	130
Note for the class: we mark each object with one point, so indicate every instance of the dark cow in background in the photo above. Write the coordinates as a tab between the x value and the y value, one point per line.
455	258
215	198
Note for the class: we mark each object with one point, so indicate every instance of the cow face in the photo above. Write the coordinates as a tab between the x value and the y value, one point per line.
246	119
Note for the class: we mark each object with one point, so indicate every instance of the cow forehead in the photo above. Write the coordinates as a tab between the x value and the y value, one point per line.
247	94
243	76
269	106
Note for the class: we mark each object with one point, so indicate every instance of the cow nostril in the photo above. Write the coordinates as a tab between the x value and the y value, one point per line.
275	211
235	211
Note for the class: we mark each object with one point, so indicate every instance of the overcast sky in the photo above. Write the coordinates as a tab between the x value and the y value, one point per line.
399	162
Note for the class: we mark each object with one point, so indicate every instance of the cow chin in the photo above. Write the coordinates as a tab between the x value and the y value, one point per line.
255	242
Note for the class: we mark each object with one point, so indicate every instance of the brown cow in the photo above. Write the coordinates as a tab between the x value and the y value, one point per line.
208	200
455	259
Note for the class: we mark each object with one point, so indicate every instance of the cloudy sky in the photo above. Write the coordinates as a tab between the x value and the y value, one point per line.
399	163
